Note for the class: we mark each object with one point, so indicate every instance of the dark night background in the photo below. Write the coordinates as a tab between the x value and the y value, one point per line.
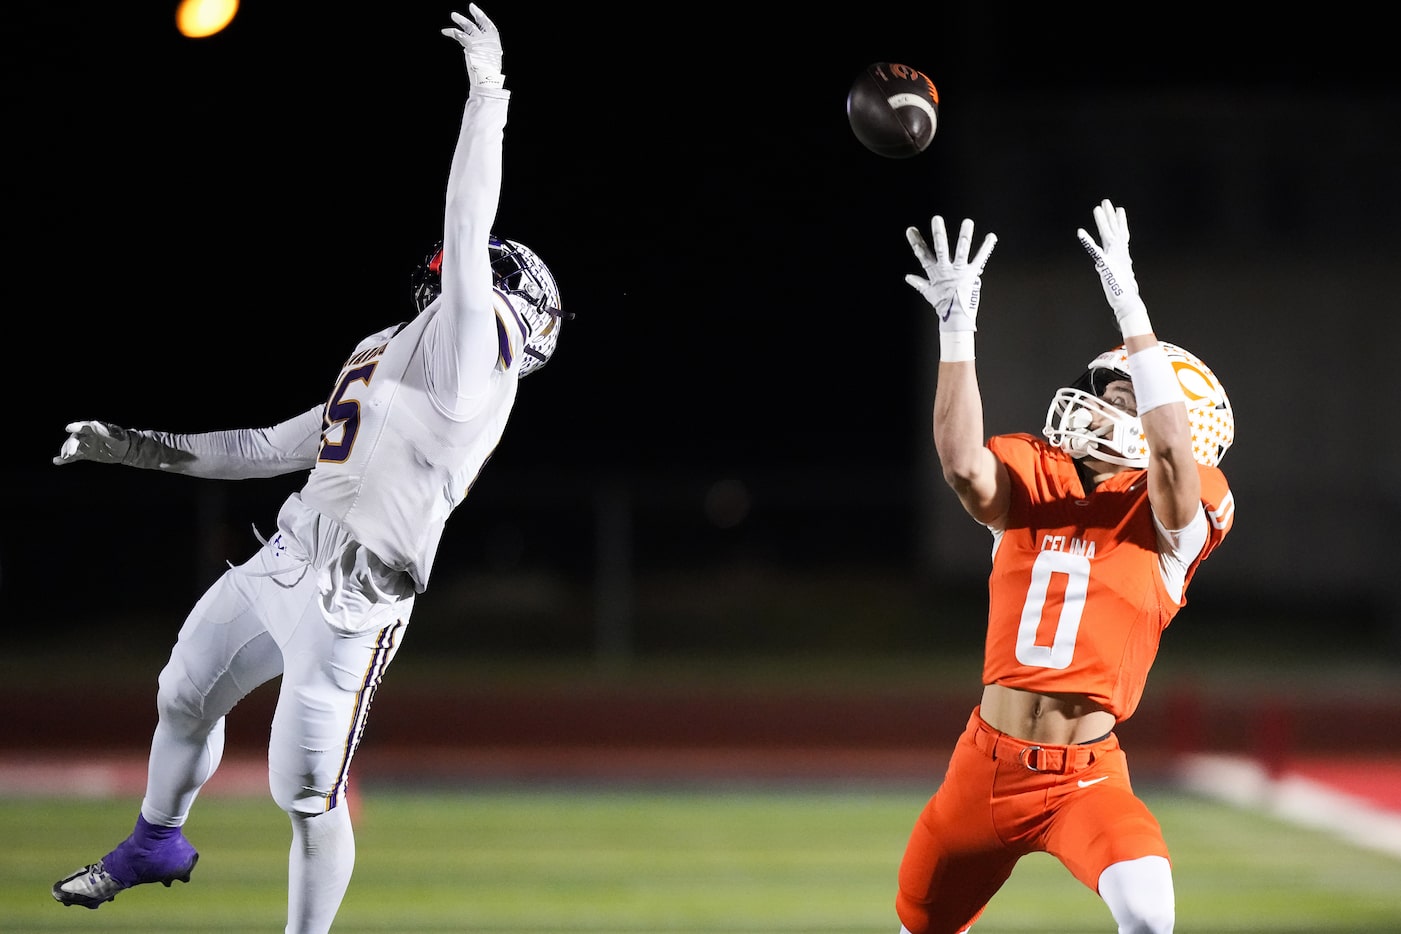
198	231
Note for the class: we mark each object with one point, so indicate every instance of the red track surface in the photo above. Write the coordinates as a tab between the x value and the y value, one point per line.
1377	781
690	734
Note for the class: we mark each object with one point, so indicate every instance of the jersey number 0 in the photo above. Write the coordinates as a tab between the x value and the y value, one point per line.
1050	566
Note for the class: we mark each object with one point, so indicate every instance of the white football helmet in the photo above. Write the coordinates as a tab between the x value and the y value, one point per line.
1119	439
520	275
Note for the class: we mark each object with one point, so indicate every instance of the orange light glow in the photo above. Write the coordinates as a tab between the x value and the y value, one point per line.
197	19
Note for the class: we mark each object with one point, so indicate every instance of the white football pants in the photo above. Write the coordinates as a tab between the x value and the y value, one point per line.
260	620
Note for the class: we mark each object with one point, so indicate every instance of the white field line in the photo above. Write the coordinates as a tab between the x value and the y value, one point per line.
1241	781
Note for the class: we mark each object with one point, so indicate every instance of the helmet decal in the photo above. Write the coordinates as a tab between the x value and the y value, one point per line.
1197	386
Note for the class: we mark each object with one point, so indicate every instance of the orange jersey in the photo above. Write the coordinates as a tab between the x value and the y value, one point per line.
1077	603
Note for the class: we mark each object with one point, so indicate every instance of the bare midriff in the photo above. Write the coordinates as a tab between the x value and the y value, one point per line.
1056	719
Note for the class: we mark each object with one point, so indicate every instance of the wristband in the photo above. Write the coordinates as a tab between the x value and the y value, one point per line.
1133	320
1155	381
955	346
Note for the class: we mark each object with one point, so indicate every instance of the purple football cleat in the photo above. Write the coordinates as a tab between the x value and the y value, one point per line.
150	854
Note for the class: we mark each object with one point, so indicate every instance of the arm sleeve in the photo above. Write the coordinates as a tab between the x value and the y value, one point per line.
1181	551
1178	549
236	454
462	341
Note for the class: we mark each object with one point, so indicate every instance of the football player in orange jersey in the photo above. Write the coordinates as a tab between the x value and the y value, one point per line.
1097	528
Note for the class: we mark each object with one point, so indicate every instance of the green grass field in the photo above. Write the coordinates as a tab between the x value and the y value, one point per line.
625	860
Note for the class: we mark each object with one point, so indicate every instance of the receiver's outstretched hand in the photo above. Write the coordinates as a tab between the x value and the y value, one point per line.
950	284
481	44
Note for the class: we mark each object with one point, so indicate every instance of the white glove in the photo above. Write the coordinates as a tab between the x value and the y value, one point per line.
481	44
951	286
94	441
1115	268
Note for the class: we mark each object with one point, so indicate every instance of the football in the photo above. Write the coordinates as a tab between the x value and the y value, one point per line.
893	110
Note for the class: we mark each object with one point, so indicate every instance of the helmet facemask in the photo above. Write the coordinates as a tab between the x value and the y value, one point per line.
1081	422
520	275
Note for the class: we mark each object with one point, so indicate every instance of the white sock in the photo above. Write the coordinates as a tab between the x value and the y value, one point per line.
318	872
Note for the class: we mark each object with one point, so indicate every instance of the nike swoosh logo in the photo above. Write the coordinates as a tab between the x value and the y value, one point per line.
1093	781
945	315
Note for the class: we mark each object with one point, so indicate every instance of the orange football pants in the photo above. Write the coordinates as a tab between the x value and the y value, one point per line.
1002	798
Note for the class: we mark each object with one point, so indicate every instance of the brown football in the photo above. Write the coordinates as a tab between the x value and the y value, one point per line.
893	110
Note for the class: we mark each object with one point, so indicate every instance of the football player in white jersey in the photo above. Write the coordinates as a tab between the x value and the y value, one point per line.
413	415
